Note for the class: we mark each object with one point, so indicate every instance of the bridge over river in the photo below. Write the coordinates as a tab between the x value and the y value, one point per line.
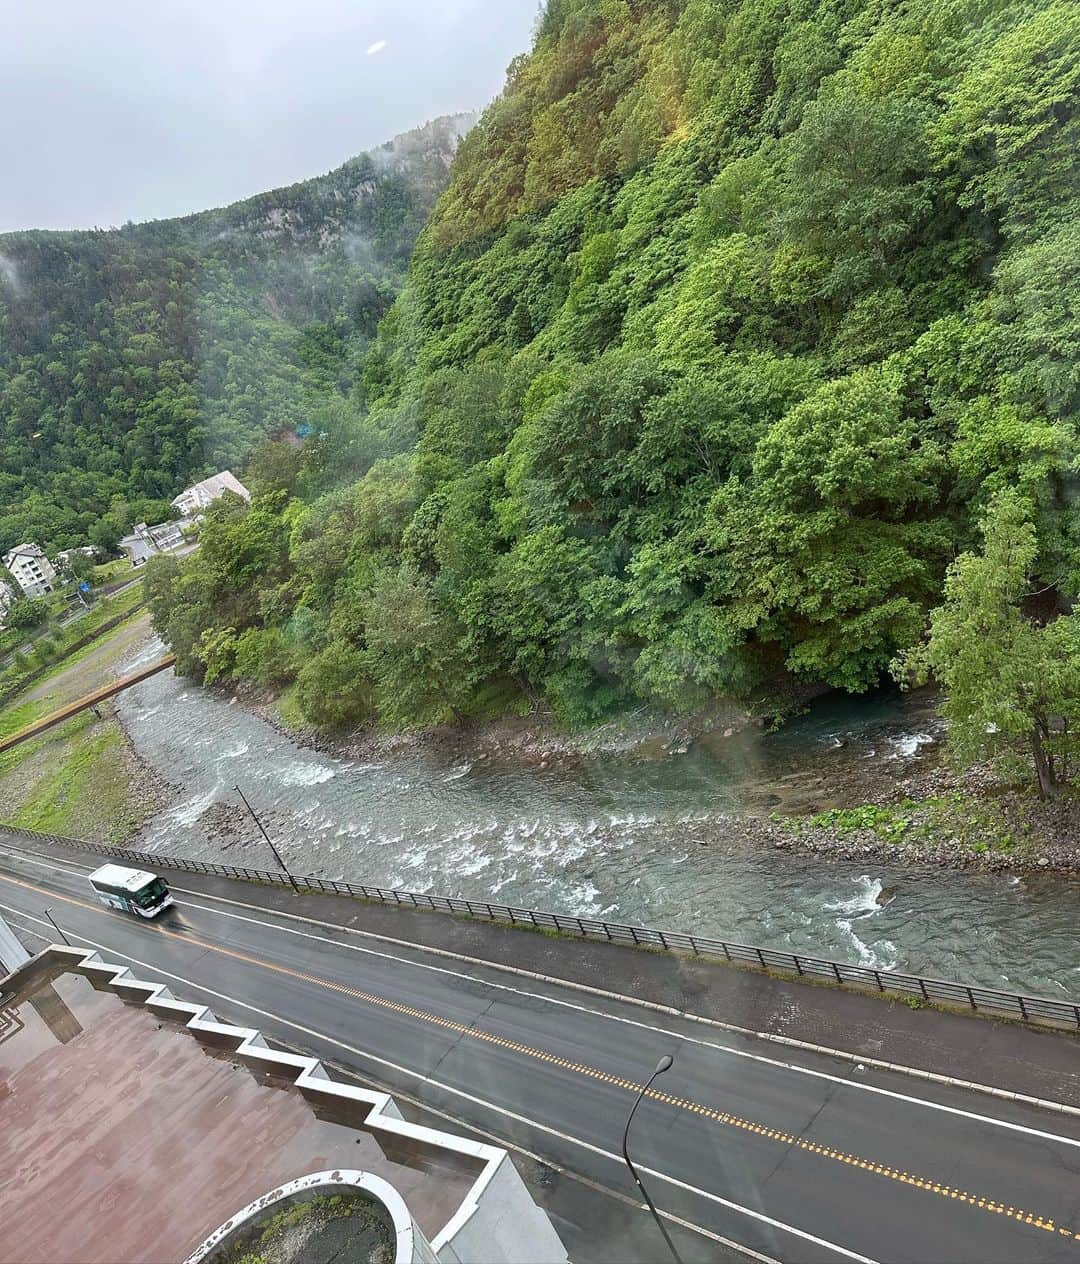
86	702
799	1122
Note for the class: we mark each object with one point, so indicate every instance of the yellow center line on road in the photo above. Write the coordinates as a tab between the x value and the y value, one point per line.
584	1069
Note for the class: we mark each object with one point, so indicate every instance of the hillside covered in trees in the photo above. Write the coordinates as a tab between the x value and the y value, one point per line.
733	322
132	360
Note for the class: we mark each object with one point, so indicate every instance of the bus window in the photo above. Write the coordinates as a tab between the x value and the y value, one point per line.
151	895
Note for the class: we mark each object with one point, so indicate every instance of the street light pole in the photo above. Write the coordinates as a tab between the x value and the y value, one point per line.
277	854
48	914
663	1065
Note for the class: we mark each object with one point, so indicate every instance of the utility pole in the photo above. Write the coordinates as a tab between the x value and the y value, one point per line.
277	854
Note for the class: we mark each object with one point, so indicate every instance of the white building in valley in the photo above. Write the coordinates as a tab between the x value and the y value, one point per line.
194	501
145	541
31	569
7	600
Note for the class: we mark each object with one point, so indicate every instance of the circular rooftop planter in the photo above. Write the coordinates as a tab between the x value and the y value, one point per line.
285	1223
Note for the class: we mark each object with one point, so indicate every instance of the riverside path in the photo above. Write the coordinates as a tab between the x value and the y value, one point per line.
751	1147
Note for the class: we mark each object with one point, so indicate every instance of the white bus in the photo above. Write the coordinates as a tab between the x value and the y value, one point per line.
133	890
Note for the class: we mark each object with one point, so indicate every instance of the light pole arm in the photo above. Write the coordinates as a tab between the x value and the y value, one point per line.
661	1068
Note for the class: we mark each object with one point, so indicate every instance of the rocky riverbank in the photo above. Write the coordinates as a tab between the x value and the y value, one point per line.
942	817
536	738
841	810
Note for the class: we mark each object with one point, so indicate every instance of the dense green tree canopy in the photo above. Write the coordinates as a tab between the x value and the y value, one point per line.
134	360
733	321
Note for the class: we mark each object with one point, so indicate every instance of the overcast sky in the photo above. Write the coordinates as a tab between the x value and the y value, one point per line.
116	110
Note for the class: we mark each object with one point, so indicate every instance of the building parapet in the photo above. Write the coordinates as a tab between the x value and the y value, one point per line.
497	1212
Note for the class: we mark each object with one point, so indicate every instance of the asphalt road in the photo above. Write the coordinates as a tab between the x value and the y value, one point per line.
797	1156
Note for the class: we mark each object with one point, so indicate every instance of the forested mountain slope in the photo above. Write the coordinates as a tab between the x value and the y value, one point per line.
733	319
134	359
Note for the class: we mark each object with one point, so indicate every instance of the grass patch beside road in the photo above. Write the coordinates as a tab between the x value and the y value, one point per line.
57	647
82	777
105	572
86	788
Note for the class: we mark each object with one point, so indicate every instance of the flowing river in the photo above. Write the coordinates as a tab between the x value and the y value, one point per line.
653	840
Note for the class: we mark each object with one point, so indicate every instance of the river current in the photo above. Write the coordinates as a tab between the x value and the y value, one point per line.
654	840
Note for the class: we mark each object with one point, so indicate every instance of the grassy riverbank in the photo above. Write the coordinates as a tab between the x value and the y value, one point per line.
81	778
67	643
960	819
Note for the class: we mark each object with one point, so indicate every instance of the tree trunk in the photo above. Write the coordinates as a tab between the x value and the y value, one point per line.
1044	770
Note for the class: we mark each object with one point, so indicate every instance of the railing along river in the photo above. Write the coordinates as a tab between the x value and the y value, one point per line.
1032	1009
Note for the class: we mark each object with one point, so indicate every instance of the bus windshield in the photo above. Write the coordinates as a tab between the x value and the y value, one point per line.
150	894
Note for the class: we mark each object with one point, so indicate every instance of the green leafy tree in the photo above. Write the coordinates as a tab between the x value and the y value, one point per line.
417	652
334	688
106	534
1011	684
274	466
80	566
27	613
1012	128
265	656
831	551
216	651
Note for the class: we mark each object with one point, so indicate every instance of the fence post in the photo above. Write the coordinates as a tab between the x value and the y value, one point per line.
836	971
760	957
798	963
877	978
1023	1007
971	998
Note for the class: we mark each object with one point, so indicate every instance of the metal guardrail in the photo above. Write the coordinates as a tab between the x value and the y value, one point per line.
1032	1009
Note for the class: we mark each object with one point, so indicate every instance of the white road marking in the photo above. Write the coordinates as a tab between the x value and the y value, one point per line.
477	1101
400	1094
793	1067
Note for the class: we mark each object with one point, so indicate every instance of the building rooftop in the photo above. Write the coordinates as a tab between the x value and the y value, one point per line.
119	876
24	550
211	488
149	1139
